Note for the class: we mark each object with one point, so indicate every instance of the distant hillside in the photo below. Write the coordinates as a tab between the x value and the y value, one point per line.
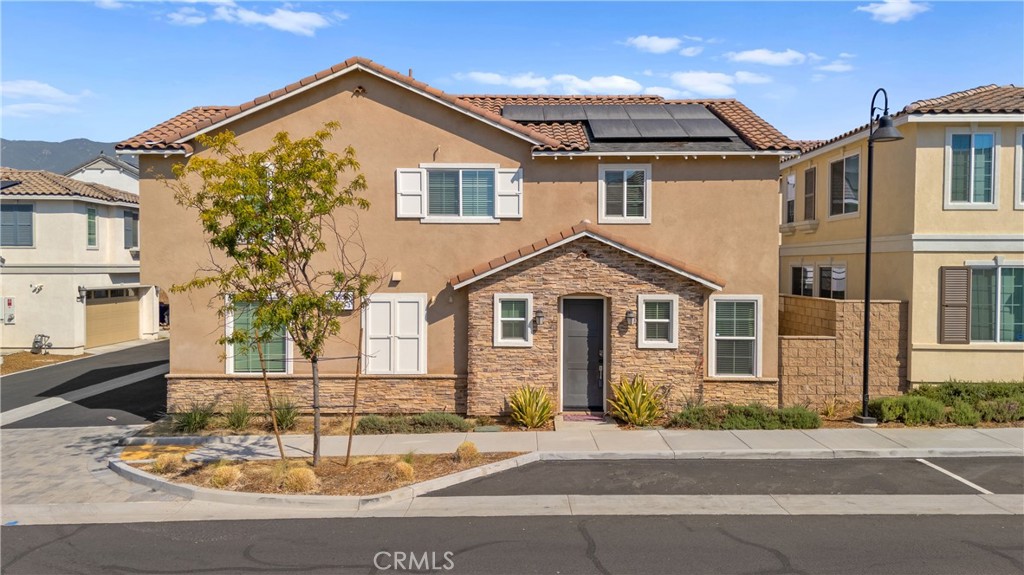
57	157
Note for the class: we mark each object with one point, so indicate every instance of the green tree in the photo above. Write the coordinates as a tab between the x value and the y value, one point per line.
272	213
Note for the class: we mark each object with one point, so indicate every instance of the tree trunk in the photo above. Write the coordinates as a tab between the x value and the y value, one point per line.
355	394
316	409
270	401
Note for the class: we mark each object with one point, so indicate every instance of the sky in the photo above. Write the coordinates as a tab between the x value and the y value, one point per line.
109	69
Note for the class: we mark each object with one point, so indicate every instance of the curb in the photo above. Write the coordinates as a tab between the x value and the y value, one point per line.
334	502
179	440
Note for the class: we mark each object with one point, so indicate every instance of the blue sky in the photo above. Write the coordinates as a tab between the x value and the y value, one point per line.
107	70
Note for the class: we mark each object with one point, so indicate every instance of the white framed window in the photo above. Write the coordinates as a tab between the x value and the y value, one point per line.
459	193
735	340
16	225
790	195
91	234
246	359
395	333
658	327
844	186
997	303
801	280
970	169
832	281
512	323
624	194
1018	175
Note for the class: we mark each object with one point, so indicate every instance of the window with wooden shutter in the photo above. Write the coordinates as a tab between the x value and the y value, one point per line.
954	303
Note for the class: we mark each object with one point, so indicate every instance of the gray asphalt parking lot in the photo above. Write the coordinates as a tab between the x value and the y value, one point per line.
752	477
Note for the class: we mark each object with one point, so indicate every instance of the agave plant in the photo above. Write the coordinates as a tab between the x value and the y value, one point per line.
531	406
636	402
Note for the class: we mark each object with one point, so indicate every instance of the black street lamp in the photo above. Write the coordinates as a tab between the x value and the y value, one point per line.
885	132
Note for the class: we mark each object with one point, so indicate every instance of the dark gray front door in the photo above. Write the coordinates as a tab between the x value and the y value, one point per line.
582	354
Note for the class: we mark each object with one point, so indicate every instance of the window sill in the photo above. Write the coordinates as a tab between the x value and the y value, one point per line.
954	207
849	216
17	247
787	229
459	220
519	344
618	221
807	226
975	346
657	345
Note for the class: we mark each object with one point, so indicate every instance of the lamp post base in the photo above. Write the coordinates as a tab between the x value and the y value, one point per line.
864	420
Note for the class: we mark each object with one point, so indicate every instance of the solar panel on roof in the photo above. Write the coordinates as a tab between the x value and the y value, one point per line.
523	113
688	111
613	129
647	112
610	112
660	129
707	128
564	113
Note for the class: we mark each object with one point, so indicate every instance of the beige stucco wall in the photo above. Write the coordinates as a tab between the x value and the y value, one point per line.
695	215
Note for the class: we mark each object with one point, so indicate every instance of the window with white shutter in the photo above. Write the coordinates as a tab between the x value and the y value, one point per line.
16	225
459	193
395	334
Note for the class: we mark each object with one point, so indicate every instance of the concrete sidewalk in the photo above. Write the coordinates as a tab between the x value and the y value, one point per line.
651	444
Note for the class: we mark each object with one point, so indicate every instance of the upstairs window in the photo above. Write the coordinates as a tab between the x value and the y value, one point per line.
1018	180
16	225
790	191
90	235
844	186
624	194
131	229
810	213
970	169
460	193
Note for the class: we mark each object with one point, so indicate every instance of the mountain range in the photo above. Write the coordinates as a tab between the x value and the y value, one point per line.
57	157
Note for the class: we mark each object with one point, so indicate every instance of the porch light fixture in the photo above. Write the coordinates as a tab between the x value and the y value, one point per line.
81	293
630	318
538	317
885	132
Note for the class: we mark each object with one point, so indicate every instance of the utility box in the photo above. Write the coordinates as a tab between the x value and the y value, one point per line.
8	318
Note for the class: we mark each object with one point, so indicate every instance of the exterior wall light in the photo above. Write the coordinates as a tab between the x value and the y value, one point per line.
631	318
81	293
538	317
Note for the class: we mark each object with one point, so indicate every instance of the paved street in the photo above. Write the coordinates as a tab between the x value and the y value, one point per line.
933	545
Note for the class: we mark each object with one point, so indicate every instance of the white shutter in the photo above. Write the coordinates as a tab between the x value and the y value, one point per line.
395	333
411	193
508	189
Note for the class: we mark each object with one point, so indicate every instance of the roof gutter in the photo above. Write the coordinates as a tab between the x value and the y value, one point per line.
164	153
69	197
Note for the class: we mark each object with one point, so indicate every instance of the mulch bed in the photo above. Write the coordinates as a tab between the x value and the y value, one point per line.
23	360
364	476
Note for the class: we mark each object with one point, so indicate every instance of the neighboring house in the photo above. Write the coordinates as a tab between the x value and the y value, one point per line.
559	241
70	267
948	229
109	171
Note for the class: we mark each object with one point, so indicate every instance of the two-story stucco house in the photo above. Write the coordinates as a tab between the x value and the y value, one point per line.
948	229
70	268
109	171
561	241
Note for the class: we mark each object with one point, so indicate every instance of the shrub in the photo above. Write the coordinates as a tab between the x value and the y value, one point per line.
699	417
287	412
194	419
402	471
963	413
438	422
970	392
467	452
300	480
169	463
635	402
484	421
886	409
798	417
1002	410
225	476
530	406
922	410
240	416
379	425
751	416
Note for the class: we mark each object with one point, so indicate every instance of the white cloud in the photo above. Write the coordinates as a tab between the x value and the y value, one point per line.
559	83
597	84
665	92
33	109
691	51
693	38
847	55
768	57
187	16
284	19
654	44
836	66
109	4
648	72
814	57
528	81
34	90
893	11
705	83
751	78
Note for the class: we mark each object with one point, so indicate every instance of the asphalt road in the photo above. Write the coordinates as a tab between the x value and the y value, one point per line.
932	545
750	477
135	403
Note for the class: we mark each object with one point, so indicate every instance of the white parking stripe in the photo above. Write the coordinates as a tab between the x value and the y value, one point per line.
957	477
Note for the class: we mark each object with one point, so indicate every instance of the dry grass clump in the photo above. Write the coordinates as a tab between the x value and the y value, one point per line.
225	476
300	480
402	471
169	463
467	452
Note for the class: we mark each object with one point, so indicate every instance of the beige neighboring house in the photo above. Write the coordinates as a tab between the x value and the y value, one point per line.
70	264
559	241
948	230
107	170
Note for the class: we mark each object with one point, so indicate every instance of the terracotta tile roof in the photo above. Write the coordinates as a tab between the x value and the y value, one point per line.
991	99
585	226
40	183
162	136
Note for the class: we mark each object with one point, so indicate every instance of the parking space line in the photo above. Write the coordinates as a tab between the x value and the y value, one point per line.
957	477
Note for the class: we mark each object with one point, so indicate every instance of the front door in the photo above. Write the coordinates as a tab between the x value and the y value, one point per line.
583	355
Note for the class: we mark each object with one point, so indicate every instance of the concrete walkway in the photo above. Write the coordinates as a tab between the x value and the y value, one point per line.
651	444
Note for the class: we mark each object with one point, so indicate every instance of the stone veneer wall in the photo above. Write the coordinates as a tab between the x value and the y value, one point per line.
821	346
391	394
589	267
